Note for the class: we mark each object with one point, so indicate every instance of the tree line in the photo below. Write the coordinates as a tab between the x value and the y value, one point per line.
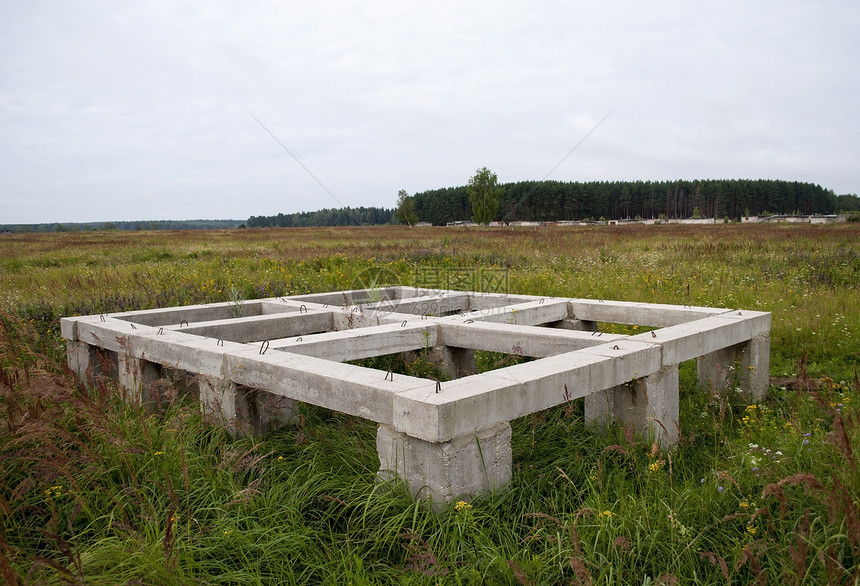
556	200
360	216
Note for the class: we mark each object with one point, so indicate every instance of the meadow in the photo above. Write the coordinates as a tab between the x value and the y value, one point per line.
95	491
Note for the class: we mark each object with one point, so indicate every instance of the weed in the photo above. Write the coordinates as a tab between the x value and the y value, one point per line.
93	490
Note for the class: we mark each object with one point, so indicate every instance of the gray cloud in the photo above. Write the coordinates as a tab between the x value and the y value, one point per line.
140	111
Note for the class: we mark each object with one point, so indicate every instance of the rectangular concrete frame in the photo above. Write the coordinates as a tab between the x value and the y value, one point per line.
447	440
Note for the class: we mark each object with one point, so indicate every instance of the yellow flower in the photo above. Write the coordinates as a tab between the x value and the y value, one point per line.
606	514
744	505
462	506
751	529
752	407
656	466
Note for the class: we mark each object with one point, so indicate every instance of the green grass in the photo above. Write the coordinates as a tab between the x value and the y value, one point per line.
94	491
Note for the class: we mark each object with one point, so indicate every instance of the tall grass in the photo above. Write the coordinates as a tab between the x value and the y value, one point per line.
95	491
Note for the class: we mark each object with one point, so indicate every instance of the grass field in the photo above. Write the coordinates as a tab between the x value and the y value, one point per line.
94	491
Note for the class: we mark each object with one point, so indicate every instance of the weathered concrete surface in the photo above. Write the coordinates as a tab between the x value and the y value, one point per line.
442	472
356	344
438	414
347	388
642	314
519	340
745	366
649	404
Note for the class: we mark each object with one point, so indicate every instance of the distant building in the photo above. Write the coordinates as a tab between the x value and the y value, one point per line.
795	219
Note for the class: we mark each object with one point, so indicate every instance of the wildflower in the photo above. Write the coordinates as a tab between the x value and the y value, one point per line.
606	514
655	466
157	453
280	458
720	489
751	529
744	505
462	506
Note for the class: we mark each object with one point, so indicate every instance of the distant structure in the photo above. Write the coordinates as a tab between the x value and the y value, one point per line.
795	219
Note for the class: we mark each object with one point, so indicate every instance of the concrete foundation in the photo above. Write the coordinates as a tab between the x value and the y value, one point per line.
445	440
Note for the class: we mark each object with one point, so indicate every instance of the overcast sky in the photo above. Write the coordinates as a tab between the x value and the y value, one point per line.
146	110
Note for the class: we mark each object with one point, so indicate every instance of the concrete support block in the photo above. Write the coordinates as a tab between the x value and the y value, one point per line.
755	366
78	359
138	381
745	365
600	406
244	410
259	412
579	325
218	400
444	472
717	370
130	378
650	404
457	362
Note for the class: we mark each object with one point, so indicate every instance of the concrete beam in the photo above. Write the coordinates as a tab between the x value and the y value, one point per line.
642	314
173	316
350	297
502	395
531	341
345	345
533	313
437	305
355	390
691	340
261	327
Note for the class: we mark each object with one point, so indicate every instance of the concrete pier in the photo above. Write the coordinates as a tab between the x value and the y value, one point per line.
249	365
